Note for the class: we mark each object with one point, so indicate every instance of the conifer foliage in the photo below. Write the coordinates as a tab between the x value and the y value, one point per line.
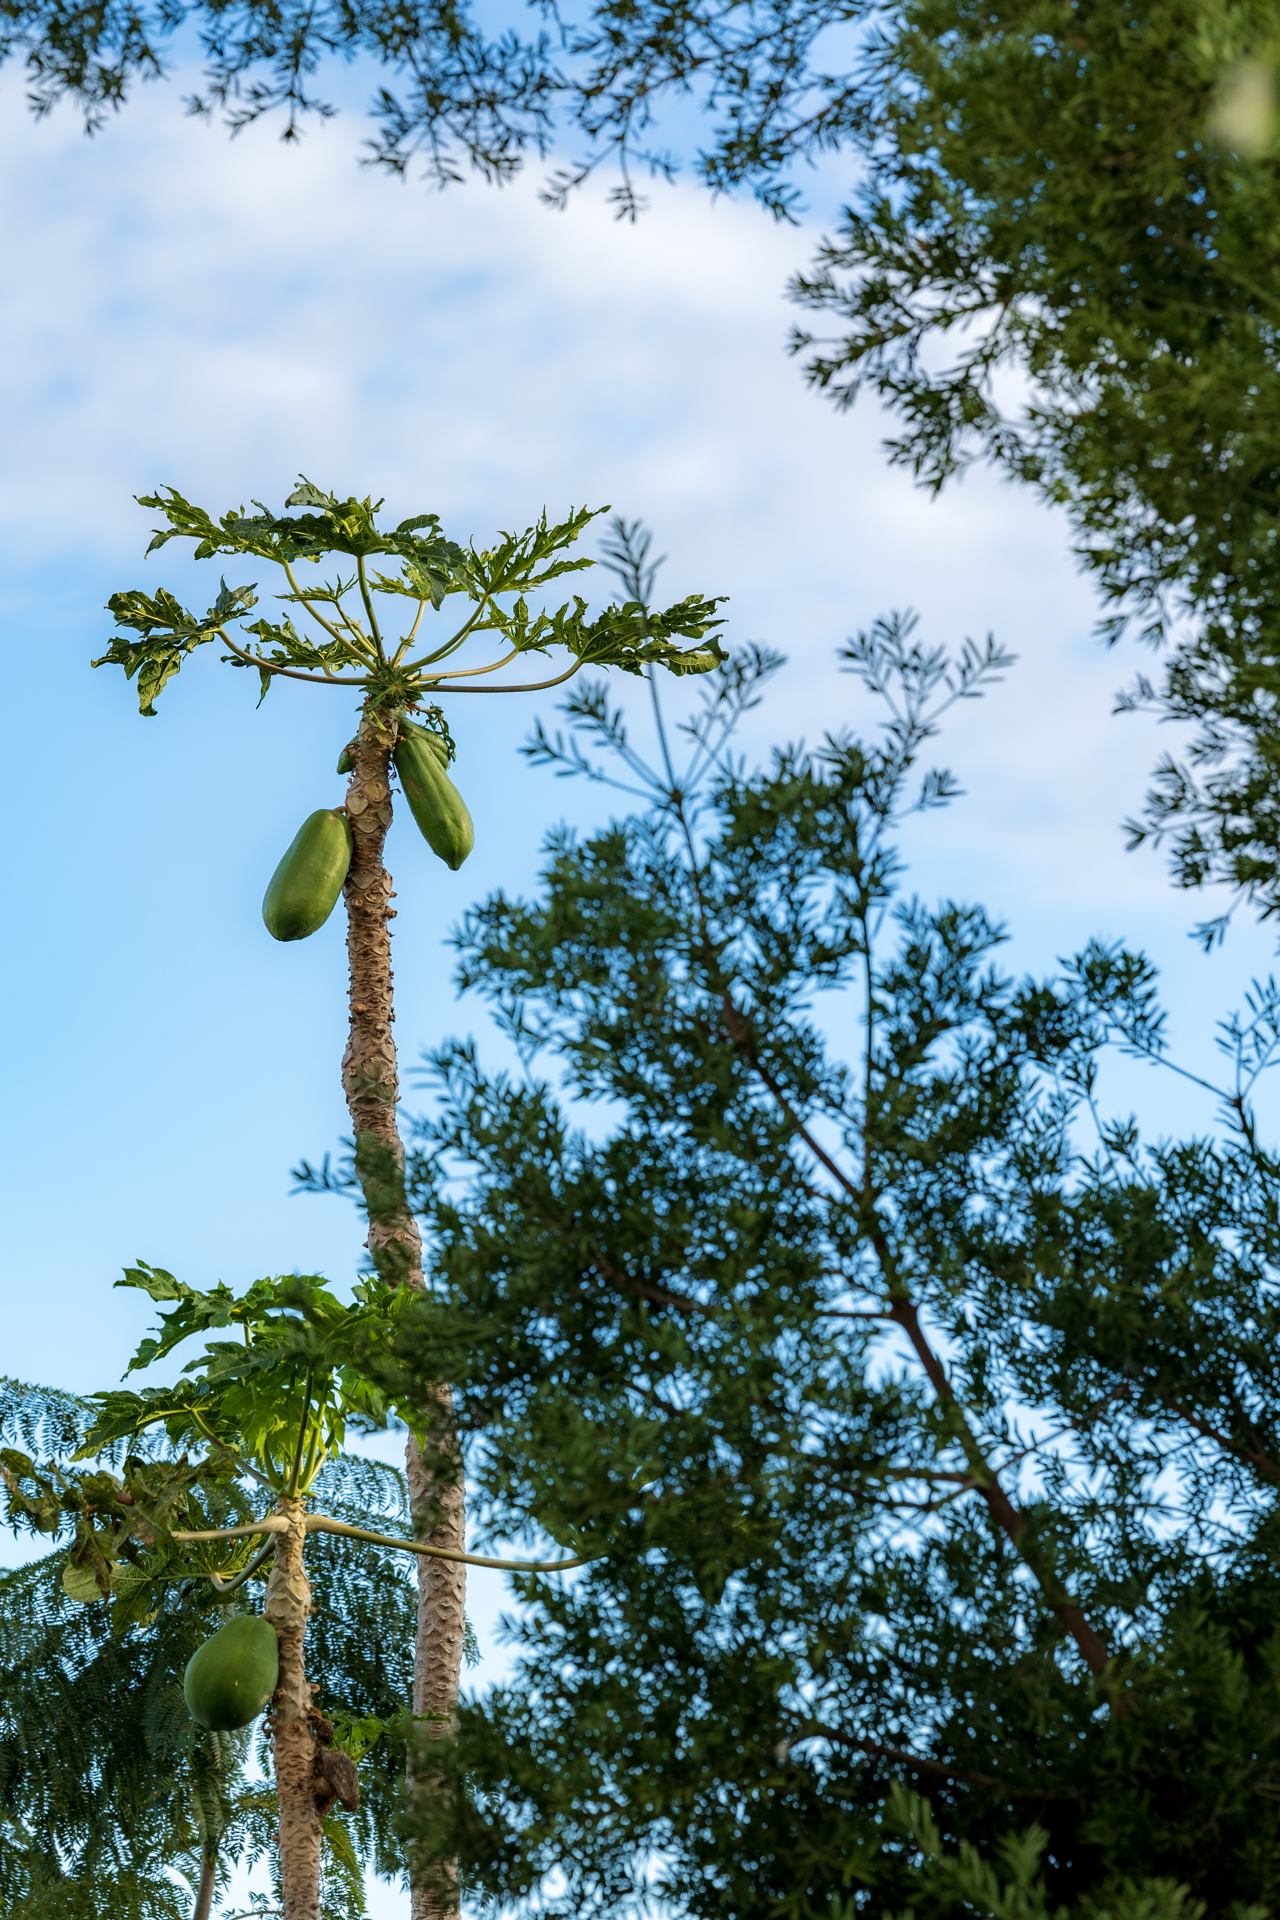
918	1414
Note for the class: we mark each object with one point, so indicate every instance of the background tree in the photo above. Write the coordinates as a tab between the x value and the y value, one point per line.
918	1412
1055	200
341	850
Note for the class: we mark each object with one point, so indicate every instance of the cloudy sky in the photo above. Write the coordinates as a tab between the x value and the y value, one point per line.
223	316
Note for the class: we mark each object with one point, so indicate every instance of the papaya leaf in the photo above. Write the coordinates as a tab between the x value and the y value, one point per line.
345	526
156	1281
32	1496
193	1312
80	1582
184	520
328	596
280	1392
633	636
307	494
169	633
358	1735
91	1559
121	1415
280	642
527	560
431	569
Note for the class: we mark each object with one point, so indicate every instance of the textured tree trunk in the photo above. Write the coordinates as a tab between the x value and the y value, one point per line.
292	1739
370	1079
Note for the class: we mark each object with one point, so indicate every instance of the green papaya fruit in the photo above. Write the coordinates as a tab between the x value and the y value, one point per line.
434	801
230	1679
304	888
345	763
436	743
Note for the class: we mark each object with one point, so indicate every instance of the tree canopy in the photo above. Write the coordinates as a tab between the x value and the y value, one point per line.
914	1407
1063	257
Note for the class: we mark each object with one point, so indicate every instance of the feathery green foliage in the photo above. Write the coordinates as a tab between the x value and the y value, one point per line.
461	91
1063	258
920	1412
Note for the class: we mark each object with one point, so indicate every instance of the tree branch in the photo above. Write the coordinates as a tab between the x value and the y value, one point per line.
1012	1522
920	1762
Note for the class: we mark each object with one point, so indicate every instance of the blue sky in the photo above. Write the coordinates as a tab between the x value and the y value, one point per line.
222	316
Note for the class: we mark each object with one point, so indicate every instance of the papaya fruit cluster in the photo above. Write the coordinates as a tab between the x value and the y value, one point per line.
304	889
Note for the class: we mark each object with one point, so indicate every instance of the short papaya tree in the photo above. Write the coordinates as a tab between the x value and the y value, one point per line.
186	1806
250	1427
398	681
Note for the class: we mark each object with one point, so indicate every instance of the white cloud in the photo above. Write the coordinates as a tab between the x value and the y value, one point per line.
223	314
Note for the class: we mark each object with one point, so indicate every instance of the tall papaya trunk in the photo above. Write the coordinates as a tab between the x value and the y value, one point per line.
292	1738
371	1081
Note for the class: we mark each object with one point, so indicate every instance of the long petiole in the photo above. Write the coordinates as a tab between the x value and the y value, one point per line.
237	1580
328	625
230	1452
532	686
314	1448
452	644
322	1523
367	597
269	1523
323	679
357	633
296	1469
466	673
407	642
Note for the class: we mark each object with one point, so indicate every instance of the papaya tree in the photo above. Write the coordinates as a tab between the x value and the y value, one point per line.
455	597
251	1434
107	1808
952	1382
